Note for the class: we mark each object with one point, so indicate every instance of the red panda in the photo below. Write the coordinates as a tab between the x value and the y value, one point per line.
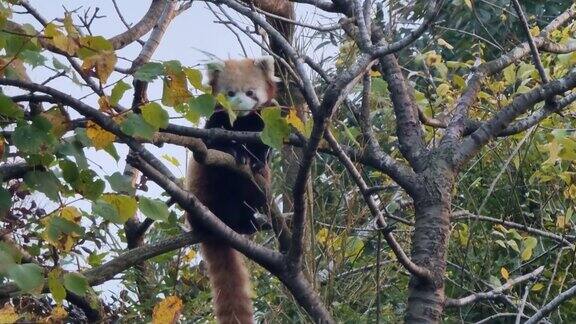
249	84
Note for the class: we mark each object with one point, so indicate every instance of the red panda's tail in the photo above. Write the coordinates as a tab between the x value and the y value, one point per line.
230	283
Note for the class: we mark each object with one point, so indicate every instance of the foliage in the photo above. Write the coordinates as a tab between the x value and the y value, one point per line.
66	214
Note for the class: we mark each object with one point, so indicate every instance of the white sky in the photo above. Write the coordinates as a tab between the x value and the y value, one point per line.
187	36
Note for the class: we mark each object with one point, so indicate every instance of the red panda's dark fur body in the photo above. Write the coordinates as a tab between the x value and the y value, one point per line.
230	196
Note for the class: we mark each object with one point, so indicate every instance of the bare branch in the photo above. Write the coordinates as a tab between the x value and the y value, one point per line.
552	305
495	293
459	215
457	124
533	48
15	170
503	118
413	268
155	37
142	27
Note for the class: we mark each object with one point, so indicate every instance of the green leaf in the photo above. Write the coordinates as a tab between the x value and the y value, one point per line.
174	161
203	105
530	242
149	72
126	206
27	276
59	225
354	246
115	208
155	209
379	88
106	211
513	245
89	187
35	138
121	183
155	115
6	260
45	182
55	285
136	126
184	109
92	45
70	171
76	283
118	92
59	66
5	200
194	76
96	259
111	149
33	58
276	129
9	109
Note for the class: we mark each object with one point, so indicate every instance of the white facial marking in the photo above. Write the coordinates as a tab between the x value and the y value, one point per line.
242	104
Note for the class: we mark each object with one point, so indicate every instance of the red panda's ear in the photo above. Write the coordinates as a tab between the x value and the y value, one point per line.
266	63
214	68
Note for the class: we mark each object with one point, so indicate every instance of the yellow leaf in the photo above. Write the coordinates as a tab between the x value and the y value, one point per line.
537	287
561	222
375	74
100	137
167	311
526	254
58	314
191	255
104	104
65	240
175	89
125	205
102	63
468	3
58	120
442	90
8	314
535	31
504	272
432	58
65	44
69	25
295	121
510	74
572	191
322	236
444	43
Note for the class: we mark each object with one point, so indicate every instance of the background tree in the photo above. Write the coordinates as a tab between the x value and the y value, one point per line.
457	148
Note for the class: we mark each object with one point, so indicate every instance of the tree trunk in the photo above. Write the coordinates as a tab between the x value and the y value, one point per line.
429	244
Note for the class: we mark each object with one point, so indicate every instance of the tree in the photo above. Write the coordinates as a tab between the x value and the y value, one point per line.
414	138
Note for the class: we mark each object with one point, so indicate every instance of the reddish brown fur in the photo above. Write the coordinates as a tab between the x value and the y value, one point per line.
231	197
230	281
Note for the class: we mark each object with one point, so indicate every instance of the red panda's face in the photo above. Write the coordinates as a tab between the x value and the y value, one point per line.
248	83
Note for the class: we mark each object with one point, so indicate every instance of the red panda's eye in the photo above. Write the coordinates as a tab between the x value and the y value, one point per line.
231	93
249	93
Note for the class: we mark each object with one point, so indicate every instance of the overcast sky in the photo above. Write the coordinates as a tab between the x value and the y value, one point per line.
188	38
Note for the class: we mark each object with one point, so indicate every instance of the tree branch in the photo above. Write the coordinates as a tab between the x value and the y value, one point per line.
503	118
552	305
495	293
108	270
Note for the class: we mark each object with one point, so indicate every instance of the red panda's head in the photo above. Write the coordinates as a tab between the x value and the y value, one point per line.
247	83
